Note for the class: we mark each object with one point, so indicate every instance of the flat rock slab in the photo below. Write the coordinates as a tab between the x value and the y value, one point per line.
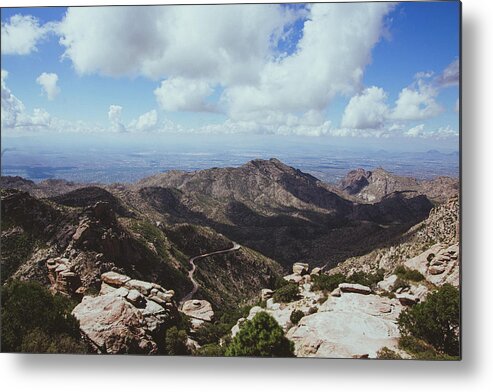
349	326
199	309
354	288
114	278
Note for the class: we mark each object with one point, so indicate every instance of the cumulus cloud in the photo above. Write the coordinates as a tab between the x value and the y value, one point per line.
329	60
14	115
12	108
145	122
228	44
115	115
367	110
22	33
48	81
450	75
197	48
417	103
179	94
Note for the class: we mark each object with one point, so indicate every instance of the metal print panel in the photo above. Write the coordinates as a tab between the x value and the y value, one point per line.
266	180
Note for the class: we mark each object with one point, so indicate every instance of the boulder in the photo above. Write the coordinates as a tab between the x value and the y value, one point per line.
266	294
300	268
388	283
139	285
114	279
113	325
135	298
439	264
198	309
271	305
316	271
354	288
336	292
106	288
407	299
294	278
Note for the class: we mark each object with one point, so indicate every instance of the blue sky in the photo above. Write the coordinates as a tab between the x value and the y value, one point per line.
351	71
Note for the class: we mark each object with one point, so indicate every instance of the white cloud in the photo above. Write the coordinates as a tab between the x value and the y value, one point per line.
367	110
439	133
145	122
115	115
179	94
21	34
450	75
417	103
416	131
48	81
329	60
227	43
12	108
234	48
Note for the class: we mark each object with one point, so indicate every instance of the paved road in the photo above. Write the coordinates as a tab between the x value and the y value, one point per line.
192	271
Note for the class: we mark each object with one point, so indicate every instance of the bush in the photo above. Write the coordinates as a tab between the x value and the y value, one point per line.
296	316
211	350
176	342
366	278
212	333
280	282
419	349
436	320
34	320
327	282
408	274
260	337
286	293
387	353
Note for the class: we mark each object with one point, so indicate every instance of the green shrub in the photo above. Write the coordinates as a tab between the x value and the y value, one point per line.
212	333
280	282
260	337
38	341
366	278
34	320
408	274
296	316
286	293
211	350
176	342
387	353
327	282
419	349
436	320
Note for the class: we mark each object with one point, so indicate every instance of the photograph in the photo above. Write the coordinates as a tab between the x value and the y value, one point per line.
275	180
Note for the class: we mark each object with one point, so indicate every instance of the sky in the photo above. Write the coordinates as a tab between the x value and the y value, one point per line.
356	73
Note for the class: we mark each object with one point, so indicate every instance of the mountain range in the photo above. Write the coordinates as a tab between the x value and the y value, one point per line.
151	228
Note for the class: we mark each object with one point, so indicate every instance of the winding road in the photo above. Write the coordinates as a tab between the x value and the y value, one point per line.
192	271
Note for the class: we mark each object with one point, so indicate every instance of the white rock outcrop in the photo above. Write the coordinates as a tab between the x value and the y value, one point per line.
439	264
353	325
121	319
